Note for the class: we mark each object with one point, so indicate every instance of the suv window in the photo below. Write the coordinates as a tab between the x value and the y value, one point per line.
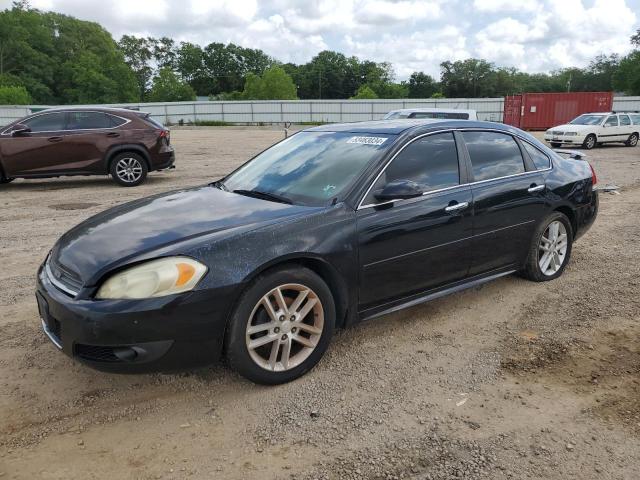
430	161
493	155
48	122
612	121
116	121
449	115
540	160
635	119
88	120
625	120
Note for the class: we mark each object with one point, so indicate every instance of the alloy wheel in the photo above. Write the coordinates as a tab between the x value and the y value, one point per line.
591	142
129	170
284	327
633	141
552	249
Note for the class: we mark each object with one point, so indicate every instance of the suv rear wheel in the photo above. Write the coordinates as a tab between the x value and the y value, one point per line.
128	169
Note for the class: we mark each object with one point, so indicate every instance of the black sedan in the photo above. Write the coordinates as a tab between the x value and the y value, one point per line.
331	226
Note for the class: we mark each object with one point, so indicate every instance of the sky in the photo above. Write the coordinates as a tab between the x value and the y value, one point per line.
414	35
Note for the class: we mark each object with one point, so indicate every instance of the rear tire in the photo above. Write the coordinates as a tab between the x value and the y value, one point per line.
128	169
277	344
590	141
556	144
632	141
549	252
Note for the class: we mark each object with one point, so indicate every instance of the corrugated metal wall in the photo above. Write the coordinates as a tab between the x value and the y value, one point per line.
299	111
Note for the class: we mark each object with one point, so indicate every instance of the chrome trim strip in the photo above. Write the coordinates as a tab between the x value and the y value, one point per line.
56	283
126	121
51	336
360	206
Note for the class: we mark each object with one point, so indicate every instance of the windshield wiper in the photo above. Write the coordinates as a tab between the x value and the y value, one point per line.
272	197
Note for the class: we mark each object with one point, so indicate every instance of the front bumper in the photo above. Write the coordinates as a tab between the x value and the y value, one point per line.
135	336
565	139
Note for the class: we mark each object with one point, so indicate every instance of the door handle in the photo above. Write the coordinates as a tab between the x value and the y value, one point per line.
55	139
113	134
456	207
536	188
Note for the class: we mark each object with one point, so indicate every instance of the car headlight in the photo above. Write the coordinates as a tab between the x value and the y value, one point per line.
571	134
155	278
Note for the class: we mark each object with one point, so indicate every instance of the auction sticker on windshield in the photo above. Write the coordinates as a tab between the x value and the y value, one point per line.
367	140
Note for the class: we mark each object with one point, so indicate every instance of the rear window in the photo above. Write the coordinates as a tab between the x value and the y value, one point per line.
540	160
153	122
625	120
493	155
117	121
635	119
88	121
445	115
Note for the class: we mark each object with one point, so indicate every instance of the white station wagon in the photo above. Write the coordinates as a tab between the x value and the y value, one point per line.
591	129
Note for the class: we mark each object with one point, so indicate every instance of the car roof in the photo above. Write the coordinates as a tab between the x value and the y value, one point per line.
94	109
396	127
433	109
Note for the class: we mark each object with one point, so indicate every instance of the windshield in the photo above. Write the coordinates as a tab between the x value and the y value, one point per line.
310	168
587	120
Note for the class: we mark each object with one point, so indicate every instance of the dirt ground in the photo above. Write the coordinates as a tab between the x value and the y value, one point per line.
509	380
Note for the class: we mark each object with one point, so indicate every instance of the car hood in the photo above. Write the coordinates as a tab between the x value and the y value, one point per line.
567	127
135	229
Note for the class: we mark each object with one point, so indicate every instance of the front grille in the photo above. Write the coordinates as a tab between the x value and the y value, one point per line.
63	276
96	353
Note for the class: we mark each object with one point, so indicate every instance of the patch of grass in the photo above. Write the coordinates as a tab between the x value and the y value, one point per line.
211	123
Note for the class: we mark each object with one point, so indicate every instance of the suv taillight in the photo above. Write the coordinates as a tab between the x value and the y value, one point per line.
594	178
163	134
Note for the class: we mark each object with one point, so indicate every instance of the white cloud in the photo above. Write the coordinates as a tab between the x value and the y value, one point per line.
501	6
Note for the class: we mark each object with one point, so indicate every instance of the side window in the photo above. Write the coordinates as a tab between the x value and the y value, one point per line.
635	119
611	121
88	120
431	161
49	122
624	120
540	160
116	121
493	155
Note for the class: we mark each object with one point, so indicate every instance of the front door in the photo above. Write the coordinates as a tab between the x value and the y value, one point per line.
413	245
38	152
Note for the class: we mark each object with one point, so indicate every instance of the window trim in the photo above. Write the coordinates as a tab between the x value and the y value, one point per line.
7	130
466	161
533	163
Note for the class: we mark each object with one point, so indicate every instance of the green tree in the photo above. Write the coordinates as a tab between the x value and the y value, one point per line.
365	92
627	76
167	87
274	84
138	55
14	96
421	85
466	78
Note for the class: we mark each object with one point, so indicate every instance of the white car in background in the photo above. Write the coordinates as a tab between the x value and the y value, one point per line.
591	129
448	113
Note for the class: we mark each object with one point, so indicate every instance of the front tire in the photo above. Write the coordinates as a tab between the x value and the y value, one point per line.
128	169
556	144
632	141
550	249
282	326
590	142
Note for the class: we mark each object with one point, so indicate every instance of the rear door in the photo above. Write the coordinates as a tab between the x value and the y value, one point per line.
626	128
39	152
409	246
508	198
610	131
89	136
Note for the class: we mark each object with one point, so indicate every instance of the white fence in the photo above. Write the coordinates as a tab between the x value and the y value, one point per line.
301	111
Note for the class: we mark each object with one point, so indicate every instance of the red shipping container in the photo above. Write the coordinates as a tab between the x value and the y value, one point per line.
539	111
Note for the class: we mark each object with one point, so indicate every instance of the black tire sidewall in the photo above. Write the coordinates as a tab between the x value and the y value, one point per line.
236	349
532	269
120	156
628	143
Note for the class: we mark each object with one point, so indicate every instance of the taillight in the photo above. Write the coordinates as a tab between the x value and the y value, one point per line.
163	134
594	178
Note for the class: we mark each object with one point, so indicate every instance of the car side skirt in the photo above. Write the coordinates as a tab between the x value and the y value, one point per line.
433	294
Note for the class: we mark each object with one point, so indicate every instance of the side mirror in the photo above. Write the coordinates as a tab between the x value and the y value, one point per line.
19	129
399	190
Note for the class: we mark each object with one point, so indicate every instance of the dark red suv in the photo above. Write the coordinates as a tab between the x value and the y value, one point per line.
85	141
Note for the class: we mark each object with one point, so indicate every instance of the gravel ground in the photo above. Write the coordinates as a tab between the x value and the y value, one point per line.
509	380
